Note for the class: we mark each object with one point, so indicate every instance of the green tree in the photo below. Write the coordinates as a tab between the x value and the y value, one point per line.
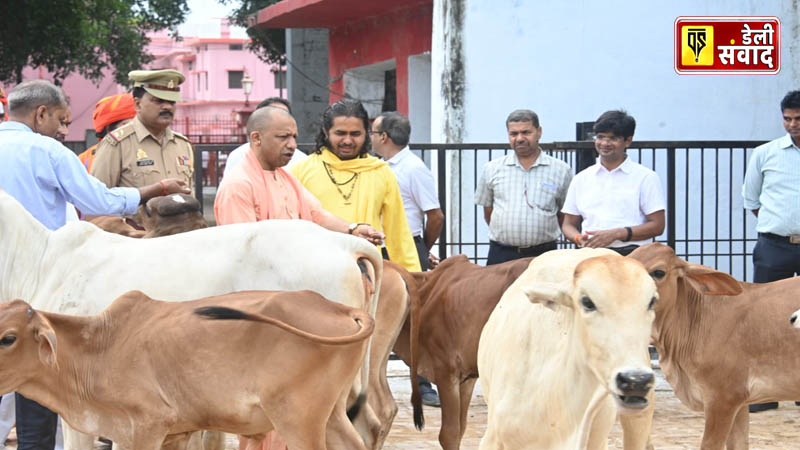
83	36
268	43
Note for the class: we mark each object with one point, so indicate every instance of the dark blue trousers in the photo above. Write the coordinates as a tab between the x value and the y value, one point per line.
36	425
775	259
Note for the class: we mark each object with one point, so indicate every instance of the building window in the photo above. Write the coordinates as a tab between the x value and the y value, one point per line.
235	79
280	79
198	82
235	47
206	74
191	66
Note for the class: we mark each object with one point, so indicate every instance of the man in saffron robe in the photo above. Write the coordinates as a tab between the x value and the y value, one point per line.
354	185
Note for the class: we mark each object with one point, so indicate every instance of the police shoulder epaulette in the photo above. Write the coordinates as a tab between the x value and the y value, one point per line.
119	134
180	136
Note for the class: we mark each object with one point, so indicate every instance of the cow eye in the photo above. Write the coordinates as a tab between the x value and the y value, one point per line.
588	304
8	340
658	274
652	303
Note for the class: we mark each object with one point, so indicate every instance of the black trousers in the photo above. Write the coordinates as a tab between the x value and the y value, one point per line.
36	425
500	253
422	252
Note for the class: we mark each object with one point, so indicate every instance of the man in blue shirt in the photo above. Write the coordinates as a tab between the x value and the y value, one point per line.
42	174
772	191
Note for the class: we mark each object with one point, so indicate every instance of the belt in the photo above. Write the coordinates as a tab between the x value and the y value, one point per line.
793	239
526	250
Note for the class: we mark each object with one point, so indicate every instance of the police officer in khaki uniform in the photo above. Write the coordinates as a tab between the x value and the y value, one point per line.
146	150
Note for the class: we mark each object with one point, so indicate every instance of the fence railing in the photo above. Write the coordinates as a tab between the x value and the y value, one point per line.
706	222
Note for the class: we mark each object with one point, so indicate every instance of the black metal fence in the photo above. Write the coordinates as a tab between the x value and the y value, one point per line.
702	180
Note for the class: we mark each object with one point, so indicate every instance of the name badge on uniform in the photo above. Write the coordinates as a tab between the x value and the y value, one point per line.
145	162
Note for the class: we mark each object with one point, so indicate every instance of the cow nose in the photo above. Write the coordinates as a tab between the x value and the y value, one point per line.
635	382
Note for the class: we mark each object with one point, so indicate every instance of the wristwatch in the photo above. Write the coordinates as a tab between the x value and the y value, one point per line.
352	227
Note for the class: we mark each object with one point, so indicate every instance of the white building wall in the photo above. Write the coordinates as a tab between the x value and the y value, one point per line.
570	61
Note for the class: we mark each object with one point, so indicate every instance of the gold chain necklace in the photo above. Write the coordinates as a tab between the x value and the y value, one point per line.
354	178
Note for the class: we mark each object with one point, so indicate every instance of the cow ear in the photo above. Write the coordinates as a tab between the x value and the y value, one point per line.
712	282
549	294
46	337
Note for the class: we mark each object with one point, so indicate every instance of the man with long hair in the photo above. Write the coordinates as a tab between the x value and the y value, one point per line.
354	185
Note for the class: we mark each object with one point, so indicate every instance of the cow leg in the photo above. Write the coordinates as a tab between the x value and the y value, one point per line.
739	437
636	428
340	433
719	420
449	395
465	395
75	440
389	319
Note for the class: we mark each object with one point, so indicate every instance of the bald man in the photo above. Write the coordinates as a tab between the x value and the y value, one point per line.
260	189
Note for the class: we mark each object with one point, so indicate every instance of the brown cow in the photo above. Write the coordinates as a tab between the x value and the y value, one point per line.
160	216
172	214
456	300
723	344
159	351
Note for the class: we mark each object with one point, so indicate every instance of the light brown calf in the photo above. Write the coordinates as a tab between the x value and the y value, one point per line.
723	344
284	362
456	300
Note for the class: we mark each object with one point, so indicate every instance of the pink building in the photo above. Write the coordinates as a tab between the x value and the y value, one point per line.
213	94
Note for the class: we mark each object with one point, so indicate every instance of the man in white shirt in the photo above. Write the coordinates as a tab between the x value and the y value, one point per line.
621	202
390	134
237	155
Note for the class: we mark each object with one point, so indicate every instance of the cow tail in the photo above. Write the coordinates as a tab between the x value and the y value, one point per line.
415	313
352	412
363	320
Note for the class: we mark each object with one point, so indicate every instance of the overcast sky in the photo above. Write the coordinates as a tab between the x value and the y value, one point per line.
203	20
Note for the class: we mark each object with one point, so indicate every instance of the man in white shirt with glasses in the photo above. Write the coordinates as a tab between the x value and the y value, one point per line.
522	194
621	202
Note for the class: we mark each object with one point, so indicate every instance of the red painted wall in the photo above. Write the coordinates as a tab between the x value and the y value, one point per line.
398	34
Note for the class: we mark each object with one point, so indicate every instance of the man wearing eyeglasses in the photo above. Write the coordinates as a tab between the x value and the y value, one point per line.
522	194
621	202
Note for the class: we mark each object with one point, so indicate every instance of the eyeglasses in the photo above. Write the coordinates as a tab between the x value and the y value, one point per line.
375	132
612	139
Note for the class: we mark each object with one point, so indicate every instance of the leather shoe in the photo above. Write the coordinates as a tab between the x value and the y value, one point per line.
758	407
431	399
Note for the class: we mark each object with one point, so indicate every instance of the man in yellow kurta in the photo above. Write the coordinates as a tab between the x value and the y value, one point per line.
354	185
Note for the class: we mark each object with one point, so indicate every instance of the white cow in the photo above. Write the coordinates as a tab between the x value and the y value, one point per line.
80	269
566	344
